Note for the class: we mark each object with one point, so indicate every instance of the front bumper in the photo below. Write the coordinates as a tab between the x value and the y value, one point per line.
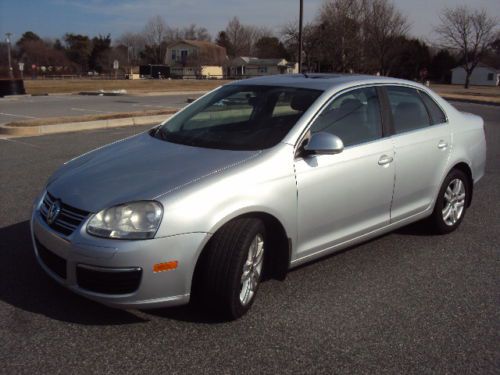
67	256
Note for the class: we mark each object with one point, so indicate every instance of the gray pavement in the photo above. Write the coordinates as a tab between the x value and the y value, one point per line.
407	302
32	107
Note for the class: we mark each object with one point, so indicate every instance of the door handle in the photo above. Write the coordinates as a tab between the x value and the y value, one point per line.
384	160
442	145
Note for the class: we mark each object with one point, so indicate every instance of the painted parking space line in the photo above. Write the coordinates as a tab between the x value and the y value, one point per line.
15	115
89	110
148	105
20	142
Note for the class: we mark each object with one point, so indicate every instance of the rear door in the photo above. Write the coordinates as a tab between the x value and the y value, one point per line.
422	144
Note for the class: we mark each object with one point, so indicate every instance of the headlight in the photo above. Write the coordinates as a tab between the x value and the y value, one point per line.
133	221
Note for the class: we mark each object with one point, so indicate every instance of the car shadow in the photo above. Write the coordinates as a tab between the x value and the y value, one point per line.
24	285
189	313
419	228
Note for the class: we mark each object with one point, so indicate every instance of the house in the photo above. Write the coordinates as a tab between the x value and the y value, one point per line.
240	67
482	75
195	59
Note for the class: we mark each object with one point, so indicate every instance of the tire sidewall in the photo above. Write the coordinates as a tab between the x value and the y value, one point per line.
237	308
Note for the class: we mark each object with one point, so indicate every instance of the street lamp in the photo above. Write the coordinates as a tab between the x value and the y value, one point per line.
7	39
301	16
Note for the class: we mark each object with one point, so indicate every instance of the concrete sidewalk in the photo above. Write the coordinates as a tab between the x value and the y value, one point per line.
24	131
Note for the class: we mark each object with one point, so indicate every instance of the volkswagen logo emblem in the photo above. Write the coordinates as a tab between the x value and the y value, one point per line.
54	210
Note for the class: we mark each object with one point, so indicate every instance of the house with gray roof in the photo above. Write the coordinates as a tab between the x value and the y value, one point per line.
483	75
242	67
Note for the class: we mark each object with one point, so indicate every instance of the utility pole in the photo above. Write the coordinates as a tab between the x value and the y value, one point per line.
7	39
301	16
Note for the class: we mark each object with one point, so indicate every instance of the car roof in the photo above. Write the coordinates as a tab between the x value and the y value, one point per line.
320	81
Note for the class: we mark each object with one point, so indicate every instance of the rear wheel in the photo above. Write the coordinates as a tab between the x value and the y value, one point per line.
230	268
451	203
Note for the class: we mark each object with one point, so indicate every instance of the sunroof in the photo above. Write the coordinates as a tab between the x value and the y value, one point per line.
320	75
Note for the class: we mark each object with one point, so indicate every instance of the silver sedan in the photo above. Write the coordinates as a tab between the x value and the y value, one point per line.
252	179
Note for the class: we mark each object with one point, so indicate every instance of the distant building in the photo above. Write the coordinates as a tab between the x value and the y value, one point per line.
482	75
241	67
195	59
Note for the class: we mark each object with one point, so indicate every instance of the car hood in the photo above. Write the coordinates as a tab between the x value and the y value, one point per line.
137	168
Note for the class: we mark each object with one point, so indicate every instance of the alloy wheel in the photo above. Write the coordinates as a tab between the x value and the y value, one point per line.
454	202
252	269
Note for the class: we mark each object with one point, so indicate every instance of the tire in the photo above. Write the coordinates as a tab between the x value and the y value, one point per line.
451	203
219	278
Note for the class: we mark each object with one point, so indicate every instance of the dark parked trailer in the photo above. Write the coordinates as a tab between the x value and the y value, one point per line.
11	87
154	71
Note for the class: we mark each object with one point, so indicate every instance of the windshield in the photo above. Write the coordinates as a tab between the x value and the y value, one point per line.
239	117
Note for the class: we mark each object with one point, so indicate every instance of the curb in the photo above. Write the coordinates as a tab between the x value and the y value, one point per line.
77	126
92	93
473	101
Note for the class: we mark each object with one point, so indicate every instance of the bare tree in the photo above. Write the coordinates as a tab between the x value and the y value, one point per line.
242	37
193	32
135	44
340	32
383	26
470	32
311	43
155	34
350	35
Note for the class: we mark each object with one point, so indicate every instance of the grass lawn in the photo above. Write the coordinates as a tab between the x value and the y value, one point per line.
41	86
485	93
50	86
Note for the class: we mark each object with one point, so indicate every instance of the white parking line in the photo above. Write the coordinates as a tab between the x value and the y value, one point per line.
89	110
20	142
148	105
14	115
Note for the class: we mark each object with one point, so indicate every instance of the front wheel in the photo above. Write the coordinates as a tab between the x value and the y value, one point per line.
231	266
451	203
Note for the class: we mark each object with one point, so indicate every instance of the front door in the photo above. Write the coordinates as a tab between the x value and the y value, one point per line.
343	196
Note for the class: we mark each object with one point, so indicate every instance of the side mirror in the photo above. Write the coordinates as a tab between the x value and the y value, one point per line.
324	143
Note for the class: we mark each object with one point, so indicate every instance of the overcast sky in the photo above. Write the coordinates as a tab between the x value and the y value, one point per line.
53	18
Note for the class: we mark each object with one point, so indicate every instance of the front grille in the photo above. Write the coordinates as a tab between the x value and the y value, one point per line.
108	280
53	262
69	218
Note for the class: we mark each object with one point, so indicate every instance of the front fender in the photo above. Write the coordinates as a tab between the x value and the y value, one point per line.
266	184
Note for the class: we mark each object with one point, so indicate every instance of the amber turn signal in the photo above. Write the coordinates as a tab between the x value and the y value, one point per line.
167	266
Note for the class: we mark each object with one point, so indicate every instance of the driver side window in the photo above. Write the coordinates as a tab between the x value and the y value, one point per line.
354	117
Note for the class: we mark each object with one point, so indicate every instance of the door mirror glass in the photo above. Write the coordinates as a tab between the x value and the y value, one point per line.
324	143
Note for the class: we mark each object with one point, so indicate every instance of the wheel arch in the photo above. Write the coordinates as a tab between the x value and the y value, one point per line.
466	169
277	260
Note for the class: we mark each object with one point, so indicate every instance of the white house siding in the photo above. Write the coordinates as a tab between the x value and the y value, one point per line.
252	67
178	51
483	76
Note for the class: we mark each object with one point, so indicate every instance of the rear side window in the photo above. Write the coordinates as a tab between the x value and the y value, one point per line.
408	110
354	117
437	115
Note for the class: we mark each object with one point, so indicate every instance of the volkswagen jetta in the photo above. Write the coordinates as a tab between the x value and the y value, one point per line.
252	179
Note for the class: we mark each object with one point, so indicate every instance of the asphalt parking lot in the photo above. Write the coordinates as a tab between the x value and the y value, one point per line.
407	302
29	108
